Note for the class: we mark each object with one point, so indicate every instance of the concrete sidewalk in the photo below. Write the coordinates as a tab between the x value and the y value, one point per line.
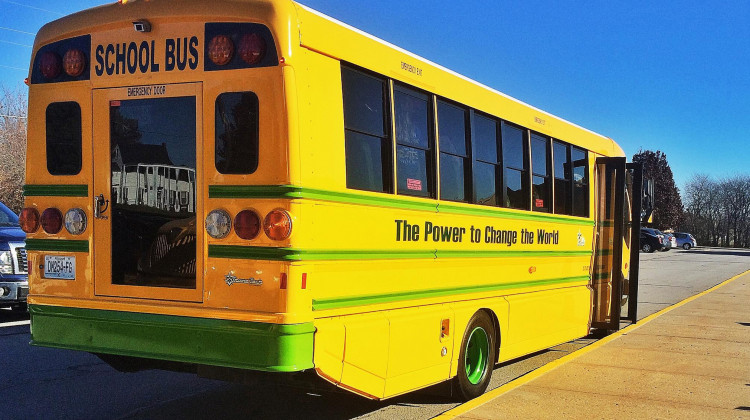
691	361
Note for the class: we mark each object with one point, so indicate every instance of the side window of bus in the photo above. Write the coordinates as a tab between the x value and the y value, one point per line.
413	143
236	123
563	174
516	194
487	163
580	182
368	148
455	166
64	138
541	190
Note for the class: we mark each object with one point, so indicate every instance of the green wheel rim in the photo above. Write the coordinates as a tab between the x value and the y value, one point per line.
475	358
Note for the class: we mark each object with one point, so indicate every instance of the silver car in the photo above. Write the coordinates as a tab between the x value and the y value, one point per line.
671	239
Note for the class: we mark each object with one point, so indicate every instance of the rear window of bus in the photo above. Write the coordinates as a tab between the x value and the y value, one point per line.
236	149
63	121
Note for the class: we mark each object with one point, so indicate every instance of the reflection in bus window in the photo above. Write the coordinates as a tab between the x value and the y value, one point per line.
368	149
413	150
454	161
487	161
516	168
540	189
236	150
153	156
563	187
580	182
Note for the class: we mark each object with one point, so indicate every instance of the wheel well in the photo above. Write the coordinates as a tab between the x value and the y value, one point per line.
496	324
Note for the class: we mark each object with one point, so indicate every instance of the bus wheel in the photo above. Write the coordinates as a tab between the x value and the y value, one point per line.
477	357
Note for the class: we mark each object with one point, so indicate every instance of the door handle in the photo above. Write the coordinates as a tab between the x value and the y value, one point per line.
100	202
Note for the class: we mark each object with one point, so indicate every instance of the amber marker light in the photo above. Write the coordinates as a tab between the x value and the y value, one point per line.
49	65
52	220
74	62
29	220
220	50
278	225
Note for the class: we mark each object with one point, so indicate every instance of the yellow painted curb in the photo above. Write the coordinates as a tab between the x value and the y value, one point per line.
489	396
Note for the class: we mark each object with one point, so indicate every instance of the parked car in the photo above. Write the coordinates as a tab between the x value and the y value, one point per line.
685	240
14	278
666	244
671	240
652	241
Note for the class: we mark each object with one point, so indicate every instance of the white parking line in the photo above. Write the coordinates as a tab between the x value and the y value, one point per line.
15	324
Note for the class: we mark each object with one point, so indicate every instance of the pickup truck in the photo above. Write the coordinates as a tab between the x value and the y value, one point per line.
14	278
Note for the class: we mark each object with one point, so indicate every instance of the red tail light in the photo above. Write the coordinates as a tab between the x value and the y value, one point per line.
247	224
252	48
52	220
74	62
221	50
49	65
29	220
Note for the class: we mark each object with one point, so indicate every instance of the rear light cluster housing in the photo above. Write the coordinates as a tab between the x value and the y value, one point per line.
52	220
62	61
238	45
277	225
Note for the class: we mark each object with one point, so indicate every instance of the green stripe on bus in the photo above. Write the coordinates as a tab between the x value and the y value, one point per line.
236	344
290	254
349	301
511	254
30	190
292	192
64	245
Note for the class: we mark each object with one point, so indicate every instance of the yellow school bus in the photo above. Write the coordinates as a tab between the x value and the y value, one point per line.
231	187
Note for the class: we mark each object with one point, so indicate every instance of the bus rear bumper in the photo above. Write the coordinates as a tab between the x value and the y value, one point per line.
235	344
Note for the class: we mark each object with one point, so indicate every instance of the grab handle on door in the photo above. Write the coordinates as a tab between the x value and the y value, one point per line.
100	202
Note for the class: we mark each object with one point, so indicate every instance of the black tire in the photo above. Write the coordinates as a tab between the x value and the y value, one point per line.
686	246
647	248
466	388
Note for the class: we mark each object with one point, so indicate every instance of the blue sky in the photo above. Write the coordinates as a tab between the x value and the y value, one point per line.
671	76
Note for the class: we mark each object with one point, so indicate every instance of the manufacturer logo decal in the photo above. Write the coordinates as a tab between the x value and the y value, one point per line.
230	279
581	239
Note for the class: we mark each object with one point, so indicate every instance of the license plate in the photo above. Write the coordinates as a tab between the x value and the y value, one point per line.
59	267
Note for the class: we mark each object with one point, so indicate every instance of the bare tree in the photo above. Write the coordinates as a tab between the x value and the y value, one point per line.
718	212
12	146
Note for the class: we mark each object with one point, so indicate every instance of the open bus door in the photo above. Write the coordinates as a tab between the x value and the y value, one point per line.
615	271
